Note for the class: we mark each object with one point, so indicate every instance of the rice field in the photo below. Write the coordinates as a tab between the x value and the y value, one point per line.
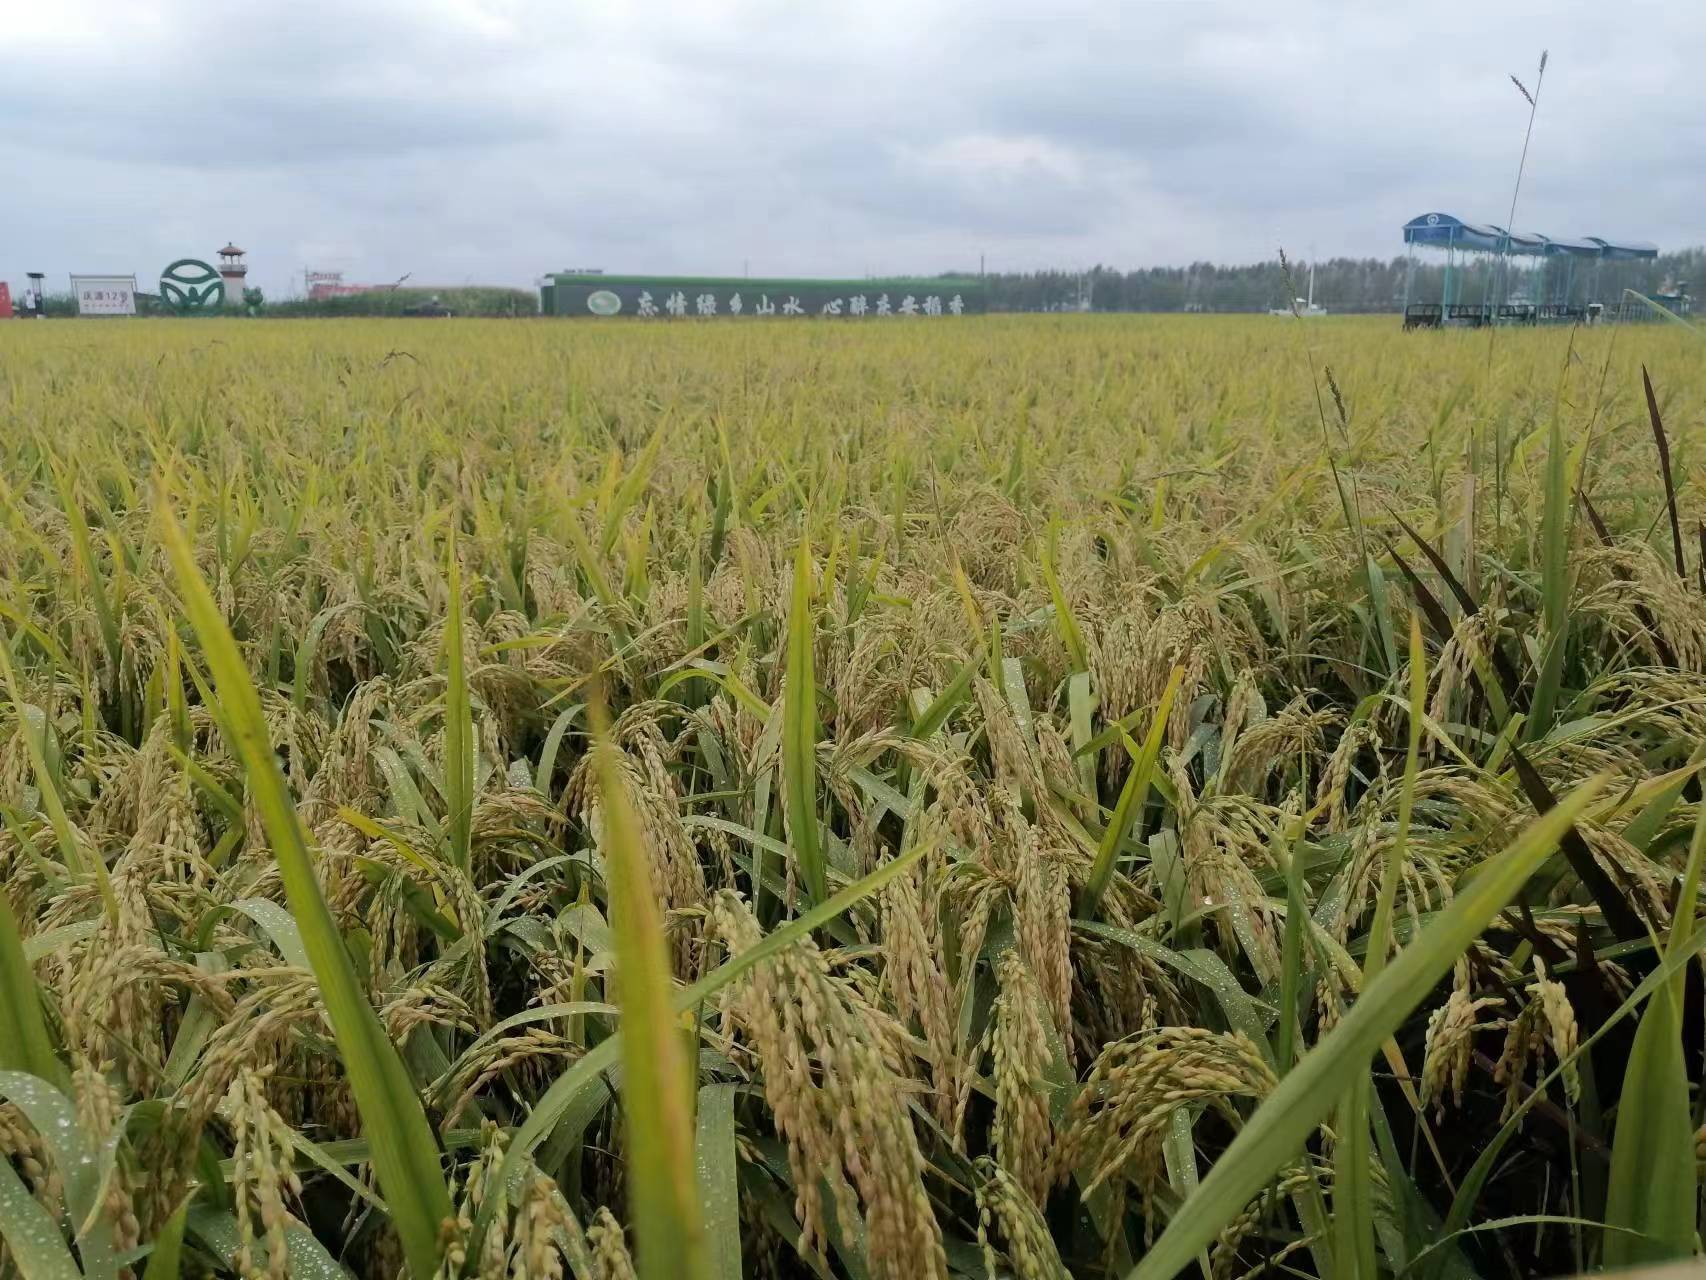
1026	797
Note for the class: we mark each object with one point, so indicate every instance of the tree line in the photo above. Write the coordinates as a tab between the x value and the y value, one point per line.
1341	284
462	300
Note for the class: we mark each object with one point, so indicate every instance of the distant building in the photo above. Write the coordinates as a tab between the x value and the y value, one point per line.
330	284
234	272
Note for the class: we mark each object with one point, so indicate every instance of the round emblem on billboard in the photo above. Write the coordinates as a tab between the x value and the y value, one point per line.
191	285
1433	219
603	303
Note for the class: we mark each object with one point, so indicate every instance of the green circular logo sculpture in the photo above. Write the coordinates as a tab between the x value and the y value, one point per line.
189	284
603	303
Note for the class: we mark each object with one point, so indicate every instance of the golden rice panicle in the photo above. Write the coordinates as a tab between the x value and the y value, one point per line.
920	989
261	1176
282	1001
1117	1122
1015	760
1118	992
871	675
120	998
610	1257
98	1107
20	1142
530	1051
1275	743
676	869
1547	1021
533	1241
546	1234
1055	760
1019	1047
113	1015
1560	1024
836	1101
1456	665
1244	708
1042	916
1219	841
1336	776
479	1183
1524	1037
1005	1210
1451	1042
1223	1258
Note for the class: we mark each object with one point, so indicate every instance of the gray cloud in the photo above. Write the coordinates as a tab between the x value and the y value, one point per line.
496	139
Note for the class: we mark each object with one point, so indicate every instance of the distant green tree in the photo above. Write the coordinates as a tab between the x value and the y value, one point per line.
1341	284
470	300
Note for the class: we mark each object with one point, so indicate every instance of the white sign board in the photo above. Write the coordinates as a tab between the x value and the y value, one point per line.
105	295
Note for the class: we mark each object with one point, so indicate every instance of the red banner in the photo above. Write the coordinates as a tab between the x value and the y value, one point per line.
5	301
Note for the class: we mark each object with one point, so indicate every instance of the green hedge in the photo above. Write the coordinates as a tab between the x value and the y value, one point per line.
474	300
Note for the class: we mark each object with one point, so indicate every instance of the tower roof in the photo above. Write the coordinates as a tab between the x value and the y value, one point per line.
231	251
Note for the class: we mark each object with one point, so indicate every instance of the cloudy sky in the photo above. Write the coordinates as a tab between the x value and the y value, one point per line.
493	140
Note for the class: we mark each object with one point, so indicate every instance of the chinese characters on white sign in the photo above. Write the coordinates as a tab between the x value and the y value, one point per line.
664	301
105	295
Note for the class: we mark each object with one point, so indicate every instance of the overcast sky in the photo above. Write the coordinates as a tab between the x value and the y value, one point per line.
493	140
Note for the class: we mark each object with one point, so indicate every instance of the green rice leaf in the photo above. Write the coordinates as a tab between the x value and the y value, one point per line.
1554	578
32	728
216	1230
32	1236
1070	635
553	744
588	1069
77	1160
1652	1183
164	1263
1472	1183
719	1191
1276	1132
656	1086
83	548
1353	1172
24	1041
458	723
799	734
303	666
937	713
1652	1189
1132	797
405	1155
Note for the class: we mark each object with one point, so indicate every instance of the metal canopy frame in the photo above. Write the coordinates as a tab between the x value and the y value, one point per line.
1467	243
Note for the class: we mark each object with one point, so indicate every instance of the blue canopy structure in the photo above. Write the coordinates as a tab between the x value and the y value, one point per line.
1625	250
1452	235
1444	231
1531	243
